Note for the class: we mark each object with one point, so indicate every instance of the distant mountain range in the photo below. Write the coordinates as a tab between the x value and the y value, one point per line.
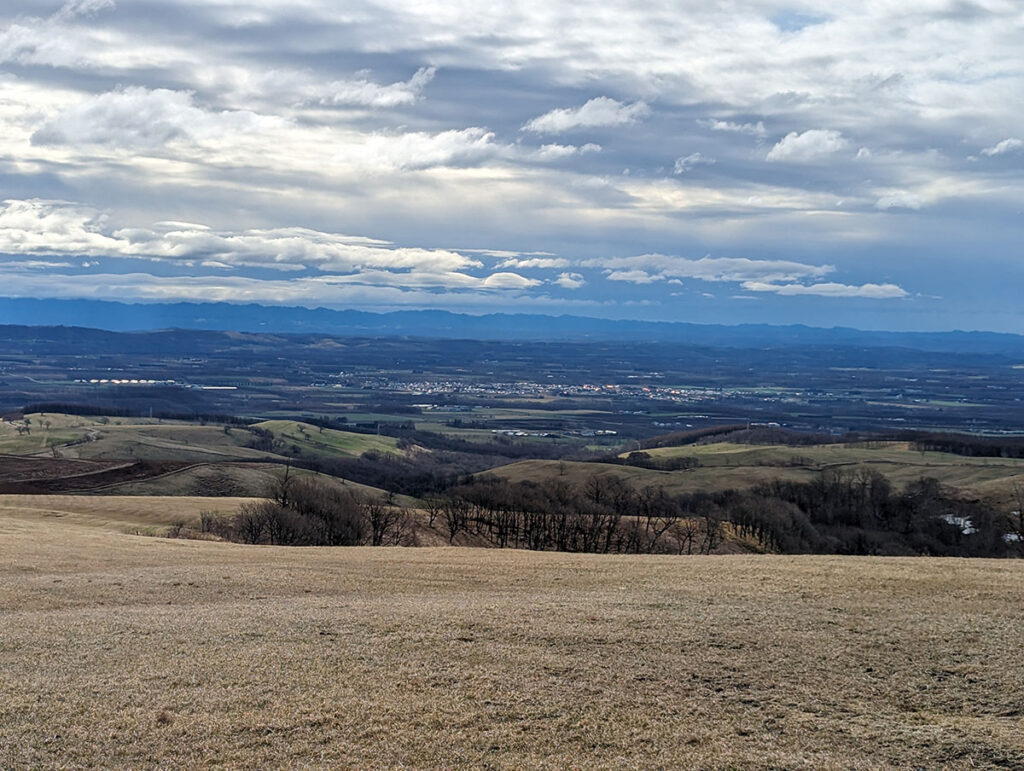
116	316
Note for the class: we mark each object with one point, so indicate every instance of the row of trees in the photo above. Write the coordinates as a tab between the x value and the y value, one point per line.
840	512
606	515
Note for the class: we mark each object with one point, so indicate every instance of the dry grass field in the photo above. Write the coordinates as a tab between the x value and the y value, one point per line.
119	651
147	515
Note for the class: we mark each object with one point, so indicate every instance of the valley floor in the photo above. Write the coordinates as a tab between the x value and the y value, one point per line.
121	650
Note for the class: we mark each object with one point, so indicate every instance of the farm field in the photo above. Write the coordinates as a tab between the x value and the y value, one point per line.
118	650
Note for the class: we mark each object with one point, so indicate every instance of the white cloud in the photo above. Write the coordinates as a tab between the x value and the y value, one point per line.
714	269
365	93
139	118
58	40
752	129
569	280
811	145
554	152
170	125
509	281
420	150
684	164
600	111
1001	148
307	291
535	262
34	264
279	87
35	227
47	228
831	289
632	276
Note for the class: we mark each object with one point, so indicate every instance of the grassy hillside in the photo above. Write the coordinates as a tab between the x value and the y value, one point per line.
898	461
152	457
724	465
219	479
673	481
147	439
124	651
105	438
315	441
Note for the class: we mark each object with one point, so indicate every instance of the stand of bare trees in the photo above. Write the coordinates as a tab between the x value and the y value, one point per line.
605	516
305	511
840	512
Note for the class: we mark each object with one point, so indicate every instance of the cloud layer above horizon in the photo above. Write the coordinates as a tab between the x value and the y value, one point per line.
761	161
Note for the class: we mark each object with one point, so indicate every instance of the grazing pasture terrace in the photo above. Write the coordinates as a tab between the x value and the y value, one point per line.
119	650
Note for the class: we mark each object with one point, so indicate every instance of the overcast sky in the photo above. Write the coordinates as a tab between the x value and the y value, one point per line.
695	161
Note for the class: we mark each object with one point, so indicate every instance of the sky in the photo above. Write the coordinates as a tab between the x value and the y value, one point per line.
832	164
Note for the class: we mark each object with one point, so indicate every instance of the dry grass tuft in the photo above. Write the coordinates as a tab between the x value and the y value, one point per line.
163	718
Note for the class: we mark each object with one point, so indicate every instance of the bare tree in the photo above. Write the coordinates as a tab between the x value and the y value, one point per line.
249	523
384	520
280	489
456	516
434	508
713	533
685	531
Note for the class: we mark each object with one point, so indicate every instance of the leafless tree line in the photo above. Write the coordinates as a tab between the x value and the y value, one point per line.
605	515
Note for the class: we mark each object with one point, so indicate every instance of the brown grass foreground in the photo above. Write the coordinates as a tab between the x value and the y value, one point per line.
126	651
